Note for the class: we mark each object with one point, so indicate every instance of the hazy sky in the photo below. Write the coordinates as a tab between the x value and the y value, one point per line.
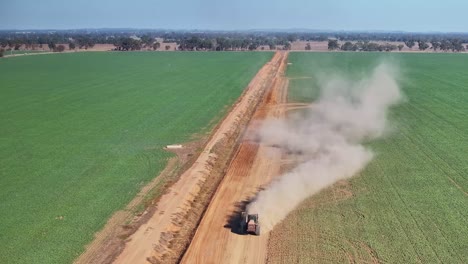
406	15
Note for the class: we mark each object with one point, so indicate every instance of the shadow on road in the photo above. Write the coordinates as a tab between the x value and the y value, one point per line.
234	219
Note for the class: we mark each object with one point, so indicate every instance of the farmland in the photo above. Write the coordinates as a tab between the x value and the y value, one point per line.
82	133
410	204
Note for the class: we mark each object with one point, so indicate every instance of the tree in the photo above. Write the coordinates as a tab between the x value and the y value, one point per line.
445	45
60	48
17	46
359	45
287	46
156	45
147	40
1	52
51	45
348	46
307	47
388	47
85	42
333	44
167	47
422	45
435	45
71	45
291	37
400	47
410	43
253	46
457	45
126	44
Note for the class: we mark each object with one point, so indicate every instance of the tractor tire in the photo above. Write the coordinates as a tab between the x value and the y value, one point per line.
242	228
257	230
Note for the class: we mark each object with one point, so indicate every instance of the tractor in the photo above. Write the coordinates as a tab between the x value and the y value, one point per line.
249	224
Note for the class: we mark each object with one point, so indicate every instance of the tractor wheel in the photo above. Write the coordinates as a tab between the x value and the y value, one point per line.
242	228
257	230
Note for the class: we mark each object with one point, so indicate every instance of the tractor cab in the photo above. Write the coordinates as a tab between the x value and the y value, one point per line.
249	224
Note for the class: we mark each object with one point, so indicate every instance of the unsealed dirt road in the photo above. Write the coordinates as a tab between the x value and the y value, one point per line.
217	239
152	241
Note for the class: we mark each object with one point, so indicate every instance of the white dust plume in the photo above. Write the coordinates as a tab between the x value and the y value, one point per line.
330	136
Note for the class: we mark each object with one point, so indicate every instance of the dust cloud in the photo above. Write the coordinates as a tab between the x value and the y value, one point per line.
330	136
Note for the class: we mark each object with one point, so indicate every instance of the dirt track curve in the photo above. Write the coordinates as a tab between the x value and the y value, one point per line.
254	165
152	242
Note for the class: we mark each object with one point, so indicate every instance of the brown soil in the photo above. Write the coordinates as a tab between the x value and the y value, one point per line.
217	239
168	231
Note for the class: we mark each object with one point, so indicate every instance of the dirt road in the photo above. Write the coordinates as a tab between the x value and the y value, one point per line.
152	241
217	239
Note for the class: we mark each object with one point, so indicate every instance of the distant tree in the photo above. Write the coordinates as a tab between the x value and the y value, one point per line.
17	46
127	43
221	44
387	47
291	37
308	47
410	43
359	45
167	47
422	45
60	48
51	45
147	40
85	42
272	46
71	45
207	44
445	45
287	46
371	46
435	45
252	46
457	45
400	47
262	48
333	44
348	46
1	52
156	45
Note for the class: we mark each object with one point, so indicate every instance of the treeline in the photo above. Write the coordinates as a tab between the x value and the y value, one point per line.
397	36
454	45
130	39
127	41
52	41
232	43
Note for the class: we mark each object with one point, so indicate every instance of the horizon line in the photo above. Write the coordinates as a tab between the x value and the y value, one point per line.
279	30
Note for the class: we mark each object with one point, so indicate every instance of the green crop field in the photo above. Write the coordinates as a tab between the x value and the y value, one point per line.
82	133
410	205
